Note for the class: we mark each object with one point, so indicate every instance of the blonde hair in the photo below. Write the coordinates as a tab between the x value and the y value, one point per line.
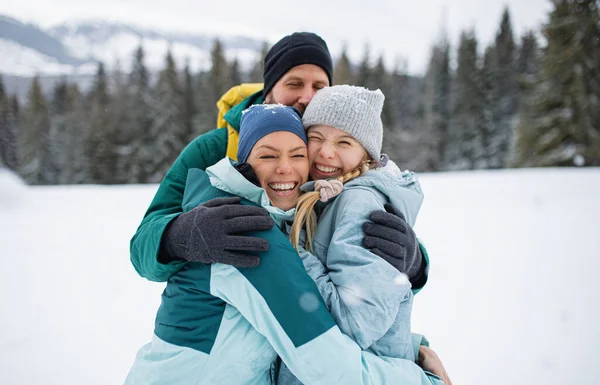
305	215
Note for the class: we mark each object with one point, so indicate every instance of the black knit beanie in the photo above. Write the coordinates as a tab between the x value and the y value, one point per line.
294	50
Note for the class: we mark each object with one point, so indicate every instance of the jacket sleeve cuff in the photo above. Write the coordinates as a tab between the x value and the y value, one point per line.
420	279
165	254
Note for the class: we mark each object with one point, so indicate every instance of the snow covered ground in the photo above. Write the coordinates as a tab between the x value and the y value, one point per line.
512	298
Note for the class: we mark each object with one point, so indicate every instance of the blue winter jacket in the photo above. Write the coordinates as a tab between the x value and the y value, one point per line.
369	299
218	324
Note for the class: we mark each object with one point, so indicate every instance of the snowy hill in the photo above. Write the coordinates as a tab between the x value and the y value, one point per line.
26	50
73	48
30	36
512	297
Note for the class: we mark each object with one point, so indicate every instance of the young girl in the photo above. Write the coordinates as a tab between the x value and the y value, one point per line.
369	300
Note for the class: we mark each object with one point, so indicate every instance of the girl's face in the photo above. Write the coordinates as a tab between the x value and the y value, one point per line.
280	162
332	152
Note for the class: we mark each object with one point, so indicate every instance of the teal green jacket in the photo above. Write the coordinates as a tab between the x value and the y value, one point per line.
203	152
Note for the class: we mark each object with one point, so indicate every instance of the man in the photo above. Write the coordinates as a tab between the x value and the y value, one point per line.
296	67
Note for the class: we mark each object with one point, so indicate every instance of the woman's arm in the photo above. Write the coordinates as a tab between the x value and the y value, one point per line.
283	304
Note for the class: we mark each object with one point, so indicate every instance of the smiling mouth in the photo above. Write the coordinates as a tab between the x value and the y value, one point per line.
283	188
326	169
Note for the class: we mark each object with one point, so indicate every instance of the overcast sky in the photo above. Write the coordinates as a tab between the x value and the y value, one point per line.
395	28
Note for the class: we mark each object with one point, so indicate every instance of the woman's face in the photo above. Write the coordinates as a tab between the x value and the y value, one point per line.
332	152
280	162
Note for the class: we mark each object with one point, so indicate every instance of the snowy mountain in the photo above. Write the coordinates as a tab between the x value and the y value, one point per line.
512	297
73	48
26	50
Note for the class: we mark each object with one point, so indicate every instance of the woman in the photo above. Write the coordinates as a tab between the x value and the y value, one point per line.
219	324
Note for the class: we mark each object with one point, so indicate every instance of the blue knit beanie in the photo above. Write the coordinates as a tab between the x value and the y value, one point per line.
262	119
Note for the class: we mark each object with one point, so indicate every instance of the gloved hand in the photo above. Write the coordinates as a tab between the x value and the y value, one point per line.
391	238
213	232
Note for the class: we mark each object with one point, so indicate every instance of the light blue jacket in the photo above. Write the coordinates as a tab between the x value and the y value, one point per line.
369	299
219	324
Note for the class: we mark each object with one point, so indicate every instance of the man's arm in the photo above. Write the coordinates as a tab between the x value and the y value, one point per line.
201	153
389	236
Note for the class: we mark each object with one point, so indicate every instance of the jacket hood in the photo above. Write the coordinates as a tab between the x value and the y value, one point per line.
224	176
402	188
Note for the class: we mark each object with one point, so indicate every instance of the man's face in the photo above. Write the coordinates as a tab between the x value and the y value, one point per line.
298	86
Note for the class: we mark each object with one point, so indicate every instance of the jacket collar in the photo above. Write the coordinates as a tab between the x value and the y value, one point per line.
225	177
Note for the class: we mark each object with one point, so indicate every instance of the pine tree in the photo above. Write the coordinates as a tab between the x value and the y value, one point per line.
381	79
489	81
560	119
235	73
102	137
436	106
206	116
588	12
8	130
4	121
211	86
168	129
219	76
58	138
403	98
139	155
528	61
505	94
17	121
363	73
78	139
464	149
343	69
33	141
256	74
120	128
189	104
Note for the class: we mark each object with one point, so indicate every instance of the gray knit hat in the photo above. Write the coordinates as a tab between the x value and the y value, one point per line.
355	110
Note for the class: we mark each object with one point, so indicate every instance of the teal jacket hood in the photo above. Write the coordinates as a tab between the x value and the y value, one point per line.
225	177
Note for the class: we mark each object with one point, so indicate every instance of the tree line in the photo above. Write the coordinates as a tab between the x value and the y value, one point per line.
514	103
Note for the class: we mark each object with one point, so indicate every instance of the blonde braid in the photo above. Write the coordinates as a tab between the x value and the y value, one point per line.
305	214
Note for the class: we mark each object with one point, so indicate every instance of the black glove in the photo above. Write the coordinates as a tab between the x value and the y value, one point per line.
212	232
391	238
